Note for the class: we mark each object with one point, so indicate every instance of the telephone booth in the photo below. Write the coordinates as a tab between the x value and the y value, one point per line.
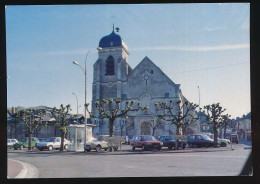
78	135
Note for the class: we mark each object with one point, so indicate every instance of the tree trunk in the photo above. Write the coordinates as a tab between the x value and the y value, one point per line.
111	124
153	131
215	137
62	140
178	130
225	131
30	141
121	130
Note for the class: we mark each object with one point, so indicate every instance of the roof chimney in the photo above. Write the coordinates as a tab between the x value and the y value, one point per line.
13	110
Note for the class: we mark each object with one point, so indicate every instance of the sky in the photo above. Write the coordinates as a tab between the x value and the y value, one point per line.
205	45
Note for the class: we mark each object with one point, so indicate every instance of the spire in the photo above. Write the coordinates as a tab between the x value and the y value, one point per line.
113	27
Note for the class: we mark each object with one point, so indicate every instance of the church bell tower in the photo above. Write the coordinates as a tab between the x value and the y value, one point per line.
111	69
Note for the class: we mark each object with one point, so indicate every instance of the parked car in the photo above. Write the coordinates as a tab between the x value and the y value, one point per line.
132	140
234	138
170	142
221	142
146	142
52	143
11	142
200	140
99	143
24	143
41	139
126	140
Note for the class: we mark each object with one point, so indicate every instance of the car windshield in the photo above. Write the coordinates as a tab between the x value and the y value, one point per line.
205	137
23	139
49	140
148	138
169	137
100	138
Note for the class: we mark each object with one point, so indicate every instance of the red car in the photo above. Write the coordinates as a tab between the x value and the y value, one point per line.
146	142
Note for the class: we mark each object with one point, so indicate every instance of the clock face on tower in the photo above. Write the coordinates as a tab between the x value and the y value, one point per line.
146	77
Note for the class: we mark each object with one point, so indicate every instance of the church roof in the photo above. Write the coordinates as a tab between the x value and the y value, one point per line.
111	40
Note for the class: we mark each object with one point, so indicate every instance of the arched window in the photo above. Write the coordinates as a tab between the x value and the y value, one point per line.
110	65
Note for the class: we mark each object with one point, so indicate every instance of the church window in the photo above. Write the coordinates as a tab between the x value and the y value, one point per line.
110	65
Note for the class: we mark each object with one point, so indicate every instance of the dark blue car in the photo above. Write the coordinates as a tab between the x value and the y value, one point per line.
200	140
169	141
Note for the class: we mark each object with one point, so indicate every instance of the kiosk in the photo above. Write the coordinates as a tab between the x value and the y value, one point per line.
78	135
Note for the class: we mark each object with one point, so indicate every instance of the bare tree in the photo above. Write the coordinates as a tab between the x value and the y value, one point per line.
114	111
32	118
179	114
62	118
226	119
214	112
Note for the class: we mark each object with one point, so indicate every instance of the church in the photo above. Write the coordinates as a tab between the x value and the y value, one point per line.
114	78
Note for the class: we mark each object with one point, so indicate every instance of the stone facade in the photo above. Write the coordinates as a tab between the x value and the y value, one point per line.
145	83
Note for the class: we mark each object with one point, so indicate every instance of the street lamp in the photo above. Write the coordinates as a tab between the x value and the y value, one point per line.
85	74
77	106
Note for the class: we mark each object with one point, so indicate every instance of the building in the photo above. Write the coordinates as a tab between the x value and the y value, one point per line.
17	129
114	78
244	128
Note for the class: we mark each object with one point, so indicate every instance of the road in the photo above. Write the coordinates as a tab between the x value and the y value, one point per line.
137	164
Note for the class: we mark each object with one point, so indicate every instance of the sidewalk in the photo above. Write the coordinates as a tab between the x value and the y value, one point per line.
18	169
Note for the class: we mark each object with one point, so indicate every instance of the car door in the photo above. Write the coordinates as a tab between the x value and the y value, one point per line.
57	143
34	141
162	140
198	140
138	142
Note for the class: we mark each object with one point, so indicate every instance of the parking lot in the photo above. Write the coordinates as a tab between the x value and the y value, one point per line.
138	163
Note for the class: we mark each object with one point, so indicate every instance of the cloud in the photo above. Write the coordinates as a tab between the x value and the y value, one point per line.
65	52
213	28
194	48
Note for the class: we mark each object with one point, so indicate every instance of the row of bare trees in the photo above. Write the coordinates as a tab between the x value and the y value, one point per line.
33	118
180	114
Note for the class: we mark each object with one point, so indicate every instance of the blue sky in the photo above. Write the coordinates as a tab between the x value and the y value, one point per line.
205	45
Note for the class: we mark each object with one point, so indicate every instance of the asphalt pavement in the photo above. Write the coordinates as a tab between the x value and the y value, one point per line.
23	169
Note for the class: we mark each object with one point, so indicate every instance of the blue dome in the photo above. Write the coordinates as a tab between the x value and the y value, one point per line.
111	40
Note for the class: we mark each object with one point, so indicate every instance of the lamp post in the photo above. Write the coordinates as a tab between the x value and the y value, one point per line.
85	74
77	106
199	109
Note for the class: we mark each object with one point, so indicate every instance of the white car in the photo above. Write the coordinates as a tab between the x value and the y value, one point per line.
11	142
96	144
221	142
52	143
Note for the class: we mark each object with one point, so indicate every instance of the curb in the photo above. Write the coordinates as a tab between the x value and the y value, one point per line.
28	171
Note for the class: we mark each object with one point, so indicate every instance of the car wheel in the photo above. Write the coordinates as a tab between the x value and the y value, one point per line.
115	148
66	147
40	149
143	148
98	148
15	148
88	150
50	148
133	148
105	149
170	147
223	144
190	145
237	142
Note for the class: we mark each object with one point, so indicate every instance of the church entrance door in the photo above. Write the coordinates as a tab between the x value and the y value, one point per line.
145	129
